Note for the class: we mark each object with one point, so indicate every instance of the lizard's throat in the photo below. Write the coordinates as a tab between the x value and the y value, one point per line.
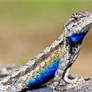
72	49
77	38
73	43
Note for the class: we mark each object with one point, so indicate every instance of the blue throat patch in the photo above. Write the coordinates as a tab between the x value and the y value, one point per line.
76	37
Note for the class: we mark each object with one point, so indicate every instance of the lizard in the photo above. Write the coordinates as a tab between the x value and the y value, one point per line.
54	62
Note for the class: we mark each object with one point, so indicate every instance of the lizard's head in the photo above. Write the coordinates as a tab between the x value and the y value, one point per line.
77	26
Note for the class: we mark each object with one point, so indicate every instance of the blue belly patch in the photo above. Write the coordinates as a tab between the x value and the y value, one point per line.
44	75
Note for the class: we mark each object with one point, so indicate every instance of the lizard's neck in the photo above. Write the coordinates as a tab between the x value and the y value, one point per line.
72	48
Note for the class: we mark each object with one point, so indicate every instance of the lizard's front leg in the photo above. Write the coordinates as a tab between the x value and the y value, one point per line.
62	71
62	74
72	80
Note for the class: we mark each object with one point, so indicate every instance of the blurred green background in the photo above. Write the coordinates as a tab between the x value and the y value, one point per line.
28	26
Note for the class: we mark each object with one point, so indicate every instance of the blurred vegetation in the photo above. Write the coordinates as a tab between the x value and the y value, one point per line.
28	26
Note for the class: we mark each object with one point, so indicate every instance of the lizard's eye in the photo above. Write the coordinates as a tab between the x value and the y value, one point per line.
78	15
77	37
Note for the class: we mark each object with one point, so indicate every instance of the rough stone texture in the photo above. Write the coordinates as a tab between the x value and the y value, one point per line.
5	70
86	86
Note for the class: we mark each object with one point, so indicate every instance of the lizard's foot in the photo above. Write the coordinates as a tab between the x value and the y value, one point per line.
74	79
71	82
55	89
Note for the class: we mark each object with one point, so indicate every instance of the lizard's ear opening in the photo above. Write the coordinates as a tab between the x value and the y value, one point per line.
77	38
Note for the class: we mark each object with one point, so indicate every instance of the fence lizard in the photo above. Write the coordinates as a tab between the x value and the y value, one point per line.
55	61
